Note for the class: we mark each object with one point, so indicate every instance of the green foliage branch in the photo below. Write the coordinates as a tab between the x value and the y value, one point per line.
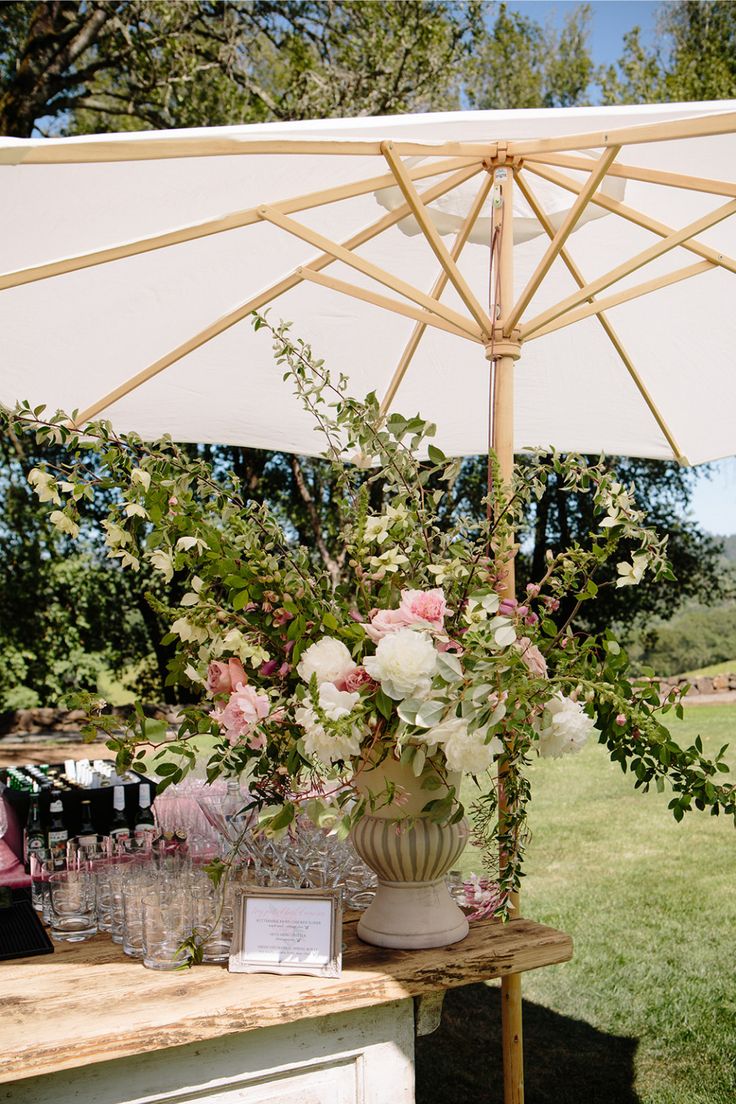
253	594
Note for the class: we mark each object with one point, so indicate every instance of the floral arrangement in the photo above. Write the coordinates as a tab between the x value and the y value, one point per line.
413	651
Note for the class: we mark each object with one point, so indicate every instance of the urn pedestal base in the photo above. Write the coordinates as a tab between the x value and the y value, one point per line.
412	907
412	915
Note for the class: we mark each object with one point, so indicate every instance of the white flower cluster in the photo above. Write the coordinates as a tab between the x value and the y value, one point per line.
563	728
328	661
329	746
463	750
404	664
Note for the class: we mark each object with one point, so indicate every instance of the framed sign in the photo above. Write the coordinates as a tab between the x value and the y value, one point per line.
287	931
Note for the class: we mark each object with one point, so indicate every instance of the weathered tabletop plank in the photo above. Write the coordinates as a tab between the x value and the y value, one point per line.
89	1003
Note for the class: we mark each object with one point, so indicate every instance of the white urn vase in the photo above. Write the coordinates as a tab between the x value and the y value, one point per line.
410	854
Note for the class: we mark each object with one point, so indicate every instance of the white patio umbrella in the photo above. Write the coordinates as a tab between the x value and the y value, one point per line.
343	227
410	251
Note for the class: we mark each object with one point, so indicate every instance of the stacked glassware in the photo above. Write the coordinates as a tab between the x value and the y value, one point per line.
154	895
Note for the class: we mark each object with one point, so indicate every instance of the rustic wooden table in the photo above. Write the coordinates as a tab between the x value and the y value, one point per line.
88	1024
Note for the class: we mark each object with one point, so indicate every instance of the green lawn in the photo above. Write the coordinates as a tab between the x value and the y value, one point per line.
724	668
646	1011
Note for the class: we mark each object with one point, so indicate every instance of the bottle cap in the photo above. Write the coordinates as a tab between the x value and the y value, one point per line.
144	795
118	799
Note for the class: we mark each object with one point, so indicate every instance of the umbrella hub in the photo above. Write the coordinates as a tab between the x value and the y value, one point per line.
502	345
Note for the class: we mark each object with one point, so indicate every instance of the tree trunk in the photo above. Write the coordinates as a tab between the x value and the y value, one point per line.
58	35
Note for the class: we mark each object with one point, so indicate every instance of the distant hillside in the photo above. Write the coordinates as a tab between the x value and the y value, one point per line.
729	546
694	638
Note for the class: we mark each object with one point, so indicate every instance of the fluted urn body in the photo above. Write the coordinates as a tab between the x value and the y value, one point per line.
410	854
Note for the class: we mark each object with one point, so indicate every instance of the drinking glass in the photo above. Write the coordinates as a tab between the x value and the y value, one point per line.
167	922
42	867
212	921
133	891
73	916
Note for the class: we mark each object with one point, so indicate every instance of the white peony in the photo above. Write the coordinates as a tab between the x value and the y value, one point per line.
404	664
466	751
564	727
441	733
328	660
329	746
336	703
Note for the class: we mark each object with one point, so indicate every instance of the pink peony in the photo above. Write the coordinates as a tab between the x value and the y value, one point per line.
244	709
223	677
532	657
356	680
424	609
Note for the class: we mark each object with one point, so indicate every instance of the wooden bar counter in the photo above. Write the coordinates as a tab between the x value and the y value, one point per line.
91	1026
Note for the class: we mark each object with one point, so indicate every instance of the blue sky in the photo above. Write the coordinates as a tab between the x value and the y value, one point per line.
611	19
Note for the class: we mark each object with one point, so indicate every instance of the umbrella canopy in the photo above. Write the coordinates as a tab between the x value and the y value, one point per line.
132	262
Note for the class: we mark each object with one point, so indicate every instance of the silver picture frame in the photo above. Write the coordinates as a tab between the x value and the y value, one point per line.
280	930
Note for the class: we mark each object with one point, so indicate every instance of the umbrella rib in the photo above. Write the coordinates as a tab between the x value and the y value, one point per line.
384	301
560	237
698	126
608	329
618	273
635	172
637	217
439	286
231	221
263	297
396	284
636	292
435	241
69	151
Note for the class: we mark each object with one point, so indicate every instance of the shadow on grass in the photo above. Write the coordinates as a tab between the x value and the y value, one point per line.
566	1061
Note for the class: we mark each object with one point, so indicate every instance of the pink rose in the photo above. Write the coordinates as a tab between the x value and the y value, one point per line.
423	608
355	680
621	719
223	677
384	622
245	708
532	657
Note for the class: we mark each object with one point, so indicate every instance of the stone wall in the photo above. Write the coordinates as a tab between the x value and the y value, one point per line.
32	722
710	684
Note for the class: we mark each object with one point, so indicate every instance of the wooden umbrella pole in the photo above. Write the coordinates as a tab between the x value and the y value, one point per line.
502	353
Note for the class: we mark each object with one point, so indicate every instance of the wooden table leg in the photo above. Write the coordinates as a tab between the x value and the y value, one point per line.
513	1044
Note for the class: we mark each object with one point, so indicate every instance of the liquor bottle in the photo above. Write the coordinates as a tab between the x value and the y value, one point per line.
87	835
145	825
34	837
119	829
58	833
